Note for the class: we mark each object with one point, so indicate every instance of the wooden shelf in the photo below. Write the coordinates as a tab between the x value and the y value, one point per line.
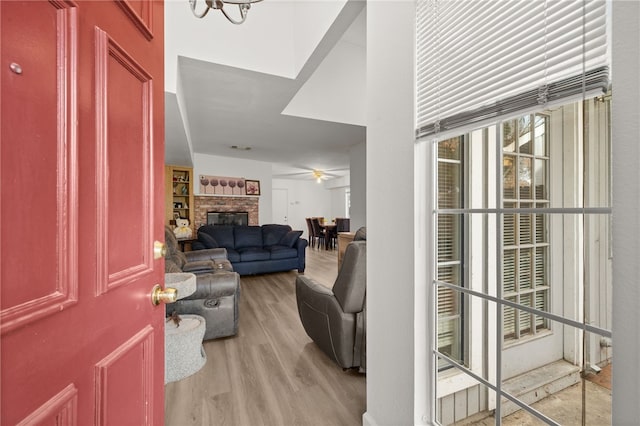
179	189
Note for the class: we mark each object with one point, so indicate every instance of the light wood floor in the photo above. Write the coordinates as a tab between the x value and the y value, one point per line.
271	373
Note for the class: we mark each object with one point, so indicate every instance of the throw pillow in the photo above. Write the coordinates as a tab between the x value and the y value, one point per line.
290	238
208	241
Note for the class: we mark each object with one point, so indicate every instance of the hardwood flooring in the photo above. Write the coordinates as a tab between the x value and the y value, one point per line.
271	373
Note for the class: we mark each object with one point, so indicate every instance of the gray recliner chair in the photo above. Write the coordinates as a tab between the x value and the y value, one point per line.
335	319
217	294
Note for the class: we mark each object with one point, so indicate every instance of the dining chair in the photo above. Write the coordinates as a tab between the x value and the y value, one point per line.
343	224
318	231
312	234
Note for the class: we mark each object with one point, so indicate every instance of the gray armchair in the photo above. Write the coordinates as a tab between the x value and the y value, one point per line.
335	318
197	262
217	294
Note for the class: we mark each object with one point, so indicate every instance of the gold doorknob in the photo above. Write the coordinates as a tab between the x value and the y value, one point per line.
160	295
159	250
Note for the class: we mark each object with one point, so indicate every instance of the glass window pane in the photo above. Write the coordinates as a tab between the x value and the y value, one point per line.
540	266
509	177
540	231
525	226
525	317
448	185
449	149
449	274
524	178
509	226
448	336
449	237
541	304
509	272
509	136
509	320
539	131
525	280
450	322
540	179
524	135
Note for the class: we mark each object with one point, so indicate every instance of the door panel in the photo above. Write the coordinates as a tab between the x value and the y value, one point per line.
59	410
124	101
37	201
140	12
81	162
121	396
280	206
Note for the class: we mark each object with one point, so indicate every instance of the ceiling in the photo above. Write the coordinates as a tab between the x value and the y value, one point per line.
306	120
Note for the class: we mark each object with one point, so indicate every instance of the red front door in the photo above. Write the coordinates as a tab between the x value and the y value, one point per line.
81	168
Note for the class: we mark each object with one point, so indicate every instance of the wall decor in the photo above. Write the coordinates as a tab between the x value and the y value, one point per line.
252	187
221	185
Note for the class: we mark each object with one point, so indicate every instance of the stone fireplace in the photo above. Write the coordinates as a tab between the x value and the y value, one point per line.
205	204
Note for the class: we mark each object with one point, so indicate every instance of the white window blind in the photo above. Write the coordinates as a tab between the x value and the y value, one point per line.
478	60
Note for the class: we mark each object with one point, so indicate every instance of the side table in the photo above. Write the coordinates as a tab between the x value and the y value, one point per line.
184	241
344	238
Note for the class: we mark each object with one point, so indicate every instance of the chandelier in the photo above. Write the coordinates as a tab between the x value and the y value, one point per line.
243	6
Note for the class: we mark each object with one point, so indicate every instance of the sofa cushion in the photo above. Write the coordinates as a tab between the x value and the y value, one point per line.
247	236
207	240
290	238
273	233
233	255
282	252
249	254
199	266
221	233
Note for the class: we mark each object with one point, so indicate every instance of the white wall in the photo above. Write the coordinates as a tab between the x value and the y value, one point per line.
336	90
338	207
338	187
277	38
391	284
626	205
306	198
263	43
306	37
358	185
396	366
234	167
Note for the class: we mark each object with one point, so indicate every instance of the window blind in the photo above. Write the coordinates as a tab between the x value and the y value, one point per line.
479	60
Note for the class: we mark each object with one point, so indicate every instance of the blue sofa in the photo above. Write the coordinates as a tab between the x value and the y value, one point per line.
256	249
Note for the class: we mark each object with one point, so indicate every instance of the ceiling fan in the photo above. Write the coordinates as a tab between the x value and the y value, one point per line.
317	174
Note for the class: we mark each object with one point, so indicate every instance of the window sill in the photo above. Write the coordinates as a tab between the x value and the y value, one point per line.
524	340
454	381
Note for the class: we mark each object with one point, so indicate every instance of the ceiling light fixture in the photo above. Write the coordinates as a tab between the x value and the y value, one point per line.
318	175
243	6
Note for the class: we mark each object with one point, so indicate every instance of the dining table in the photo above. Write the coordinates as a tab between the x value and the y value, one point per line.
330	234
